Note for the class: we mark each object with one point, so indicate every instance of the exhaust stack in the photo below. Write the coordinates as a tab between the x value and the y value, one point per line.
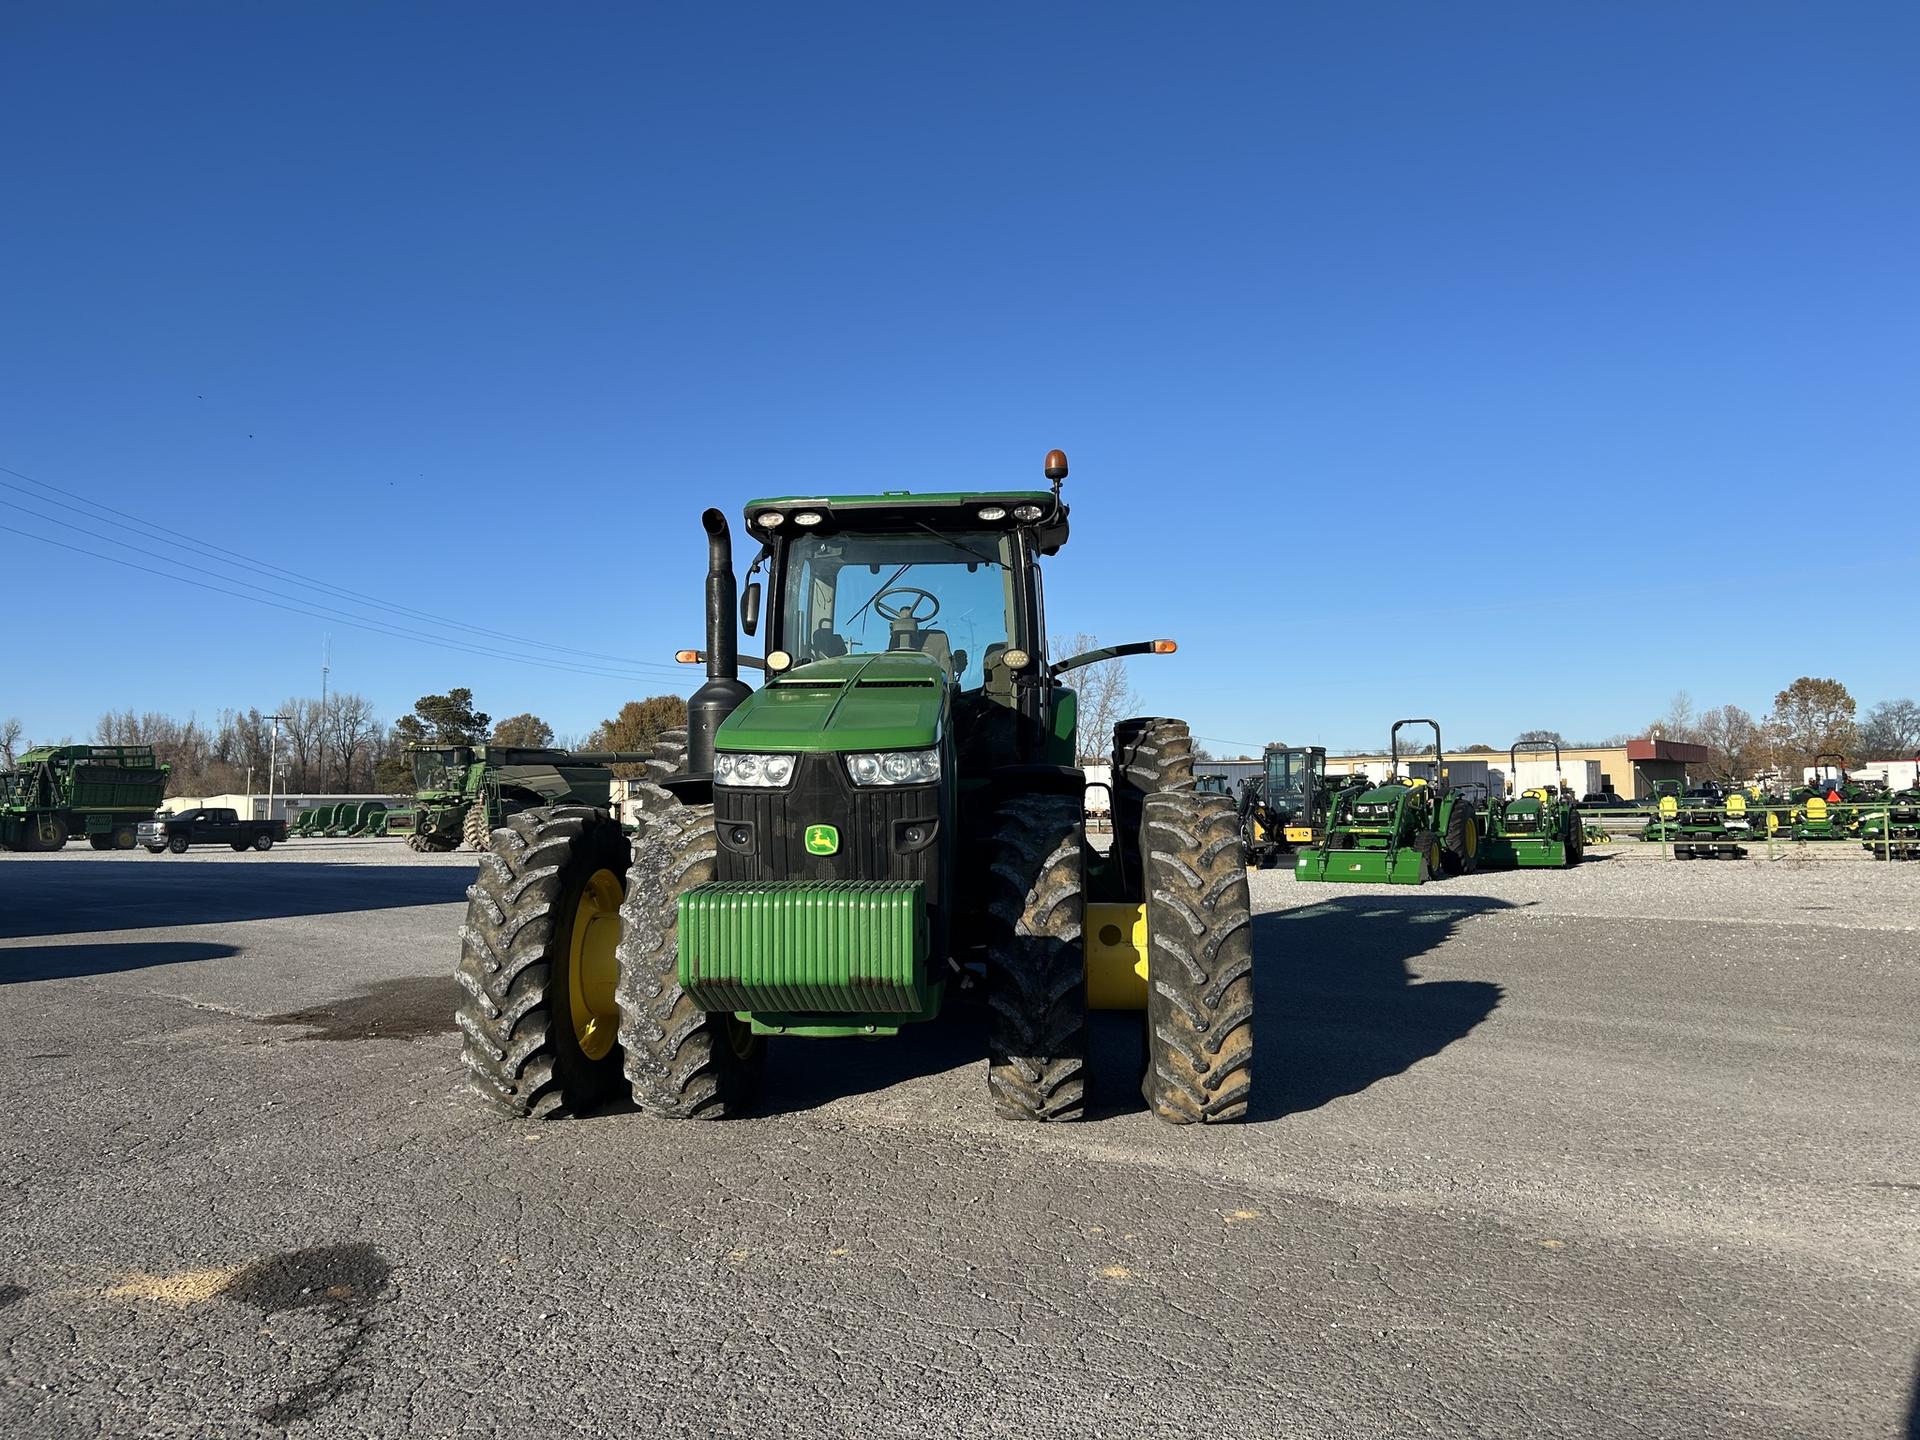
723	692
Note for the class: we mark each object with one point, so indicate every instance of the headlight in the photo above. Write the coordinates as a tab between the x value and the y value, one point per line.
1026	512
767	772
895	767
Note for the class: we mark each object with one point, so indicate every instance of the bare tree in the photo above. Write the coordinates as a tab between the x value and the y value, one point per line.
1105	691
1680	722
1733	743
349	728
9	740
1891	730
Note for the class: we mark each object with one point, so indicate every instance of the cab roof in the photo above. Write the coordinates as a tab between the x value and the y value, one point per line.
945	510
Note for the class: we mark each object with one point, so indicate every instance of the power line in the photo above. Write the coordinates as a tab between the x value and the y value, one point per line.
375	627
309	582
307	607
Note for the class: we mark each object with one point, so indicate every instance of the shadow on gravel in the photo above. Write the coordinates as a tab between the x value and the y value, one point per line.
64	962
62	897
1339	1006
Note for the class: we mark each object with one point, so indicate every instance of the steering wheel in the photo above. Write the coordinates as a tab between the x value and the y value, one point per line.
910	610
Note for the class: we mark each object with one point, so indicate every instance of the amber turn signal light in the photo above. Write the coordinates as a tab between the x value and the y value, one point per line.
687	657
1165	647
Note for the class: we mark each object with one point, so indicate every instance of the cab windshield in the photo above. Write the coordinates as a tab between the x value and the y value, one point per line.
949	595
430	770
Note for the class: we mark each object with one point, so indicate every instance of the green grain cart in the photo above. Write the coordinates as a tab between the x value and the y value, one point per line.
893	820
55	793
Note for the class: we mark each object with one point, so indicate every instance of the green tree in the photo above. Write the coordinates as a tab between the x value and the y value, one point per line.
1539	737
448	719
524	729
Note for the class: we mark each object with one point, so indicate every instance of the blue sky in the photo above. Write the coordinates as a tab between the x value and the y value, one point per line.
1515	364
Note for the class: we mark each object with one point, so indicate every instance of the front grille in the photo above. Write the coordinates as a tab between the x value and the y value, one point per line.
870	819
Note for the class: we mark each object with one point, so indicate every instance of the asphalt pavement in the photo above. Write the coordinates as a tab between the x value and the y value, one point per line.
1629	1151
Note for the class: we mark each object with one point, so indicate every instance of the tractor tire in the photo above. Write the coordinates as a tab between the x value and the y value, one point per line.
684	1063
123	838
475	831
1460	847
100	842
1199	962
669	754
1576	840
535	1009
1150	755
1036	962
179	844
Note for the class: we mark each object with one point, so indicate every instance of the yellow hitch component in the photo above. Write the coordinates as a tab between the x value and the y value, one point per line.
1116	942
1301	835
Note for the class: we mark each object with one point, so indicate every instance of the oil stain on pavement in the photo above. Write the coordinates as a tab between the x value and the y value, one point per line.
402	1009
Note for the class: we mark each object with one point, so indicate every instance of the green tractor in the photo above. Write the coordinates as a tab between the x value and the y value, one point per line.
1540	828
895	820
465	792
1402	832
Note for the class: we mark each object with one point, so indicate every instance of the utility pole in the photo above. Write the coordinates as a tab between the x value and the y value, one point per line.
326	658
273	758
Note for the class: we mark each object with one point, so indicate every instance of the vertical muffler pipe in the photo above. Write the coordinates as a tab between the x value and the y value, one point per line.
723	692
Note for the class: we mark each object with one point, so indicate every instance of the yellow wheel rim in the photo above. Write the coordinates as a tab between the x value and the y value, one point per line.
592	967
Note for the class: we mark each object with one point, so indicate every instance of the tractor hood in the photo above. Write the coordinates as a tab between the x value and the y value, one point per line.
892	701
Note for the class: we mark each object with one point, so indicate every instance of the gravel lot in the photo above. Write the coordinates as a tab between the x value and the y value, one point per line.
1629	1150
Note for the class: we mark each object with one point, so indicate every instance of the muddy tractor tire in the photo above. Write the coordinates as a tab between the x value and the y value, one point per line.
1036	961
1151	755
1199	961
536	967
684	1063
476	832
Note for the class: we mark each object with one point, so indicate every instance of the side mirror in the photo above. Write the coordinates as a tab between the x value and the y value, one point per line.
750	608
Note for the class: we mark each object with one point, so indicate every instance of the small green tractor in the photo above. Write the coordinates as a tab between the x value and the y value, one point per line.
465	792
894	822
1402	832
55	793
1541	827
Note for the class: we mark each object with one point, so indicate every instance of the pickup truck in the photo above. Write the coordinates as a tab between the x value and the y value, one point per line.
186	828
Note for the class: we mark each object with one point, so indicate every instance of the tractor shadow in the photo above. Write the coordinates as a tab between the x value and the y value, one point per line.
66	962
807	1074
66	897
1341	1004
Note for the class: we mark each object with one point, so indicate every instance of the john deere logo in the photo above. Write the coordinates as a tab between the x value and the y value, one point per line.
822	840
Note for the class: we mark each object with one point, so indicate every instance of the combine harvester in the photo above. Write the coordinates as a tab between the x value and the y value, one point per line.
1404	831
